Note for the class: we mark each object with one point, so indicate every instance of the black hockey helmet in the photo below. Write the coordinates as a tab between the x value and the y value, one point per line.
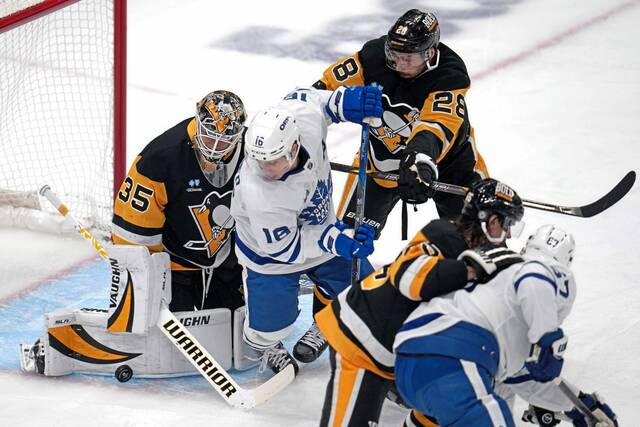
414	31
488	197
220	118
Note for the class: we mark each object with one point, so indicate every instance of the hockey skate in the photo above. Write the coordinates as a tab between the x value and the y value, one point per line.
277	358
32	357
311	345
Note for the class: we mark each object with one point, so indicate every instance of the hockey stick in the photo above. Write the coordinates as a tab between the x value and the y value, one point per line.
591	418
586	211
360	193
188	345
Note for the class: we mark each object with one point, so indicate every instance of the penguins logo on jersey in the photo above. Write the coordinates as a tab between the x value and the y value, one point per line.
397	121
214	222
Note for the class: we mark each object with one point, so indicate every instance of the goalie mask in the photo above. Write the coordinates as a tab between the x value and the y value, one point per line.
491	197
220	118
552	242
410	41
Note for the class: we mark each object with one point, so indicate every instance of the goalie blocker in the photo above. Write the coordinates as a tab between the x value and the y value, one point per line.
123	339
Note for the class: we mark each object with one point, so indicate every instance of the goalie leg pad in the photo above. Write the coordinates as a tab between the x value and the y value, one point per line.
139	281
77	341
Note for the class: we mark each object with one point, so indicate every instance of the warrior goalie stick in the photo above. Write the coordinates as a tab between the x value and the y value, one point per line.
585	211
188	345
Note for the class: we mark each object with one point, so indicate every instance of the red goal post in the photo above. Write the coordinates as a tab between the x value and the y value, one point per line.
62	105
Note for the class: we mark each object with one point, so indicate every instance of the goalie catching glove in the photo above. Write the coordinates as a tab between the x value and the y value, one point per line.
488	262
353	104
416	172
336	239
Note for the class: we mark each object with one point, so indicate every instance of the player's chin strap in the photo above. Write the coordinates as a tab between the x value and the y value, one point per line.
188	345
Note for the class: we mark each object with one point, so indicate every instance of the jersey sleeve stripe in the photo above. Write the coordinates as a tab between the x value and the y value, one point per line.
413	278
538	276
295	240
254	257
363	334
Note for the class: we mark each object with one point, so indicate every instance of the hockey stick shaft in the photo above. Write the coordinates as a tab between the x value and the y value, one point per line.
580	405
585	211
360	194
188	345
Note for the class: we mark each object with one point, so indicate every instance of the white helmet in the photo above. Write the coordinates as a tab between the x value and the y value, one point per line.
553	242
271	135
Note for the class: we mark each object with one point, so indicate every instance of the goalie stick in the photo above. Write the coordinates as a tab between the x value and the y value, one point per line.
188	345
586	211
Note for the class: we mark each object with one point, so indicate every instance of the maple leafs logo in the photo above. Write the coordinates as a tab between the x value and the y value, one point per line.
318	206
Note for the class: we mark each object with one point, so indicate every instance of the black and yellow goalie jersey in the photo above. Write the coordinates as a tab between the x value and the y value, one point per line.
427	114
168	204
361	323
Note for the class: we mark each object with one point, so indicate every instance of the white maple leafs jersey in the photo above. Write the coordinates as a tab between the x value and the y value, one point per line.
279	223
519	306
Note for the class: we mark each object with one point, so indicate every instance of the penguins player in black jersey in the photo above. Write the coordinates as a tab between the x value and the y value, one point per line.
176	198
425	134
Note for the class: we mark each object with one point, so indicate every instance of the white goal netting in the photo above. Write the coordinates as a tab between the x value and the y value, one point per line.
57	107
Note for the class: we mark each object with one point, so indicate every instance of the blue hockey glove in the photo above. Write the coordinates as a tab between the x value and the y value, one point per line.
354	103
600	410
545	357
334	240
365	234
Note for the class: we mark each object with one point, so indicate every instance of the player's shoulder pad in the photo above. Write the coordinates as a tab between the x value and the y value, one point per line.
164	151
446	236
450	74
372	57
533	268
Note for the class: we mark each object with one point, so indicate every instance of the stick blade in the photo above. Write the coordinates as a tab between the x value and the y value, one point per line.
274	386
609	199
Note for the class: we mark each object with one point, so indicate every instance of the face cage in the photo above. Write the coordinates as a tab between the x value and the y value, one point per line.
391	62
212	154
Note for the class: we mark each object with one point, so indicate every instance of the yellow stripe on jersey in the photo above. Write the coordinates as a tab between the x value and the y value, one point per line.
141	200
448	108
413	281
345	71
328	324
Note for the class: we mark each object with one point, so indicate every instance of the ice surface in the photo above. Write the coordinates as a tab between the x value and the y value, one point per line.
554	103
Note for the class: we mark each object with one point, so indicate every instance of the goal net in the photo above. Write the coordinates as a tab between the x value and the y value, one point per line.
61	106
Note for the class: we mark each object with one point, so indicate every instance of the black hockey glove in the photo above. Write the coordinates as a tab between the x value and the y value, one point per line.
542	417
416	171
489	262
